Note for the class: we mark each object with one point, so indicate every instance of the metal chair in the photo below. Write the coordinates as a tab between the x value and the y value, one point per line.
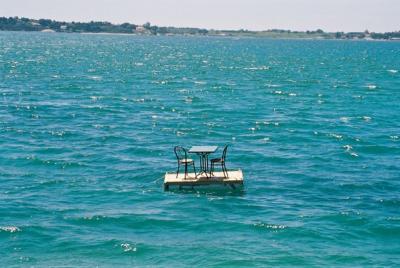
181	156
220	161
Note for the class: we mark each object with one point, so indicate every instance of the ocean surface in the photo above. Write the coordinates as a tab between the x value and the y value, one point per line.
88	124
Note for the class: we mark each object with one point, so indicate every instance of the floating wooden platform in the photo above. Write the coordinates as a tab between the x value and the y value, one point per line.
235	177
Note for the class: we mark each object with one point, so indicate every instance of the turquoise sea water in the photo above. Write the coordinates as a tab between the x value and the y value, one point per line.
87	129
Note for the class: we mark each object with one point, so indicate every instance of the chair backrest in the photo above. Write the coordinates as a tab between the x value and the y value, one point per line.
224	152
180	153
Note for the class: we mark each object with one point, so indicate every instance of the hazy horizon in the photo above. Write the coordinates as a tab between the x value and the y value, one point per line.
300	15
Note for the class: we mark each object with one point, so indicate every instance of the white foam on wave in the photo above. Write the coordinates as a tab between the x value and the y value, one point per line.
200	82
270	226
344	119
94	98
265	140
257	68
10	229
93	218
262	123
371	86
272	85
128	247
180	133
210	124
183	90
59	133
366	118
392	71
95	77
349	150
336	136
348	147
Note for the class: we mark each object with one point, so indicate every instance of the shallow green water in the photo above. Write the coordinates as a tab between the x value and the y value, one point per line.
87	129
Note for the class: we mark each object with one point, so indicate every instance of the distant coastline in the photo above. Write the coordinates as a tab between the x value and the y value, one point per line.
46	25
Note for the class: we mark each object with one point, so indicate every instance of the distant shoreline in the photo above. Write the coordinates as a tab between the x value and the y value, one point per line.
93	27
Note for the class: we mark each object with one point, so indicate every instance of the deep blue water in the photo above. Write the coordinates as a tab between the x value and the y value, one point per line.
87	129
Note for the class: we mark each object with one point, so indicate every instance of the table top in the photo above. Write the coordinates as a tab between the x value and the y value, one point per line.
203	149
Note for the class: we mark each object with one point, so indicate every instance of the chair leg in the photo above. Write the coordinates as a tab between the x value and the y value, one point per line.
225	170
185	170
177	172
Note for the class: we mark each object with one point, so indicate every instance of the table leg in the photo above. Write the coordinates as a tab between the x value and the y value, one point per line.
206	171
203	165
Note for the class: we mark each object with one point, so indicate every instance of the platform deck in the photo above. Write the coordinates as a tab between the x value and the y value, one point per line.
235	177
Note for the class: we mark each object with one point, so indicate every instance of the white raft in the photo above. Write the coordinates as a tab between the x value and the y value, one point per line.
234	178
